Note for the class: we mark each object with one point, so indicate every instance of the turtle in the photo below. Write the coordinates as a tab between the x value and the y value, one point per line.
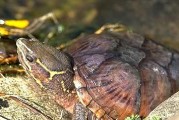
105	76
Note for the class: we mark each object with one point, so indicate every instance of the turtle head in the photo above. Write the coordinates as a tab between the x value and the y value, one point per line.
51	68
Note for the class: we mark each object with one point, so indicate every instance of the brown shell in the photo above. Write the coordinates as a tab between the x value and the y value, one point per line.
121	74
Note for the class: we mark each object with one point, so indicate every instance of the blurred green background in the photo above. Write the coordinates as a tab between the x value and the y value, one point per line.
157	19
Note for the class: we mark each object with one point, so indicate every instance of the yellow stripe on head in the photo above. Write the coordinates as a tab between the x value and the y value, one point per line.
52	73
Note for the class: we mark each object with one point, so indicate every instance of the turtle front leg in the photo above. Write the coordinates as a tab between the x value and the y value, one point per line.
80	112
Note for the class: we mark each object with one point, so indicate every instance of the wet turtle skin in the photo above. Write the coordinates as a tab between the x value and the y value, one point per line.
119	74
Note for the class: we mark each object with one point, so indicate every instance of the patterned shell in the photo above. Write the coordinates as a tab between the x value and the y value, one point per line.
120	74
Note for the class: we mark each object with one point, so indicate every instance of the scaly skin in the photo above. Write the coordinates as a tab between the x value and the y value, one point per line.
114	74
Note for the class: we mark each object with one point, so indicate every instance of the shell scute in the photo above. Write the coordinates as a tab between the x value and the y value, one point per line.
123	74
113	84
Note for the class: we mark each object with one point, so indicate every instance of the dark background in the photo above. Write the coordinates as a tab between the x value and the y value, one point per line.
157	19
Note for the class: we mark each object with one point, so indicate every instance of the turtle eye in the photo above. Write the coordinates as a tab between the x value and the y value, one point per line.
29	58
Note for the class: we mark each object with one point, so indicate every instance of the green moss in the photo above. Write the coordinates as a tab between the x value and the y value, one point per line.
133	117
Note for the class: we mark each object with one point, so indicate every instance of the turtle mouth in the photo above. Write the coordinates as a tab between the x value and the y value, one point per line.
22	49
21	60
